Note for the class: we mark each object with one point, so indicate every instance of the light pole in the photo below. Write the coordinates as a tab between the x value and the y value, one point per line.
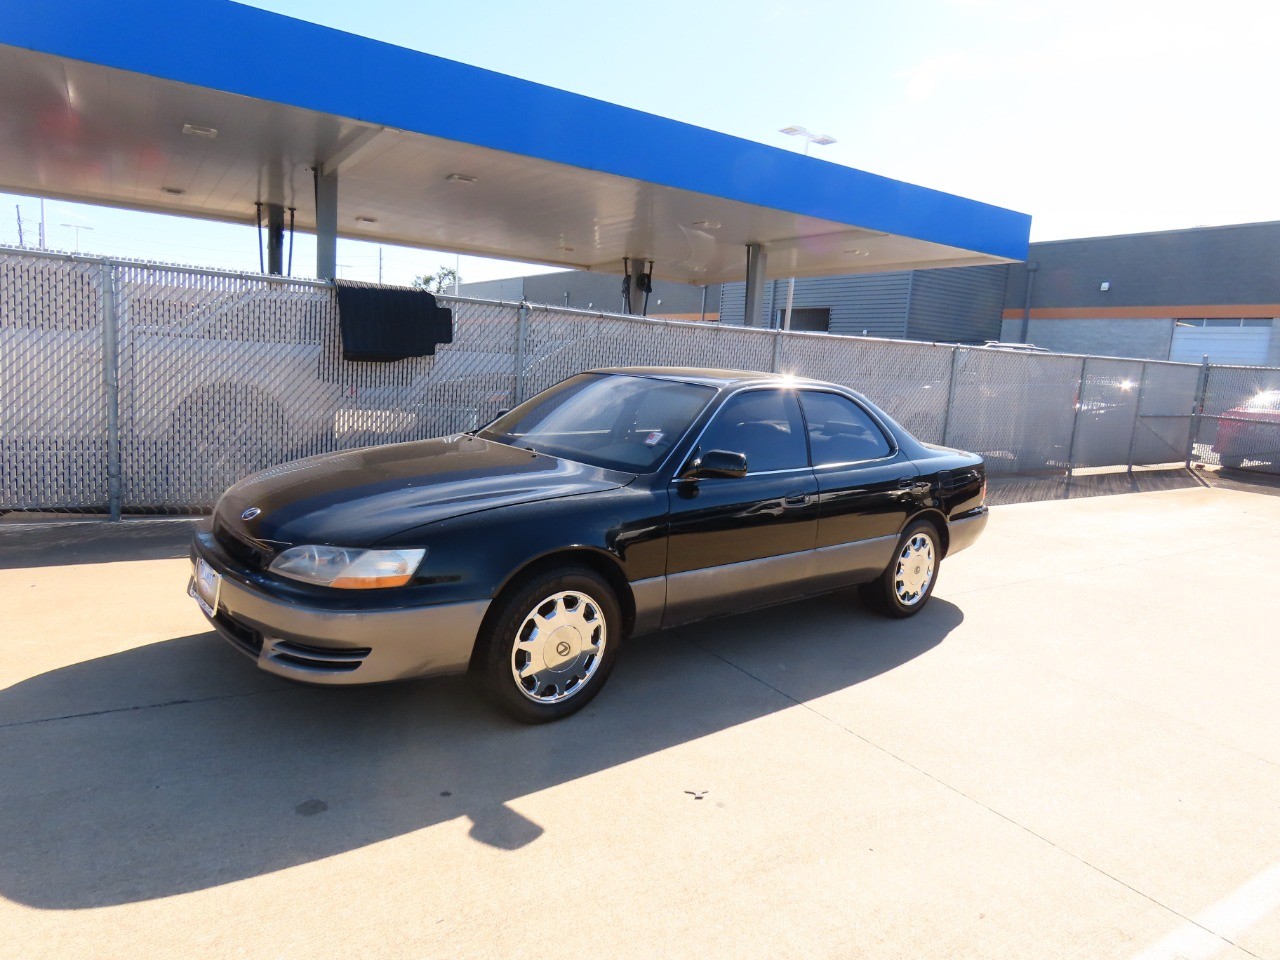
822	140
77	227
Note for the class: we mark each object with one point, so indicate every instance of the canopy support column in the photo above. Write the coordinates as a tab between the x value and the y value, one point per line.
756	264
326	225
275	239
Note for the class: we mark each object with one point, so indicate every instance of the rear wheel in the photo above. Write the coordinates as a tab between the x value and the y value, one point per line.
907	583
549	644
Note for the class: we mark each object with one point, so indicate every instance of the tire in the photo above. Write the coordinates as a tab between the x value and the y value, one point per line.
907	582
563	667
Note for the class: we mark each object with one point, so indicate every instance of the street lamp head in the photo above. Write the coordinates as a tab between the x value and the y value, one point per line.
821	139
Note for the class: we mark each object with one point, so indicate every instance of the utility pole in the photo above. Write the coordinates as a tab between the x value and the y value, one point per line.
77	227
379	265
18	208
42	246
822	140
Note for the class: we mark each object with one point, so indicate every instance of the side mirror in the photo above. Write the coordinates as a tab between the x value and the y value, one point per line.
717	463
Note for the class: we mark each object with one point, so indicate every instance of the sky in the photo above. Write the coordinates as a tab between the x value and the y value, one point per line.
1094	117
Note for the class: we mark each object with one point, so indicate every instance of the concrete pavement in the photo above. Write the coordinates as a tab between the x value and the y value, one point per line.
1074	751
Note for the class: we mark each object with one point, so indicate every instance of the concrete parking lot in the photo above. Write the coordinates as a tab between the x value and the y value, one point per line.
1074	751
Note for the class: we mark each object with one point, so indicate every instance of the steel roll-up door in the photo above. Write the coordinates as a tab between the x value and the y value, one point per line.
1222	344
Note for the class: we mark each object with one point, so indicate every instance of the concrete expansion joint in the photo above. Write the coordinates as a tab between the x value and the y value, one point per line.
1188	921
136	707
1114	697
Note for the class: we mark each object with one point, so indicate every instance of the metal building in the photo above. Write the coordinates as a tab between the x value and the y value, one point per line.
950	305
1169	295
580	290
956	306
1172	295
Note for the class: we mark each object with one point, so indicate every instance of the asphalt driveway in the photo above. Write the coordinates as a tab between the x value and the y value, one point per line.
1074	751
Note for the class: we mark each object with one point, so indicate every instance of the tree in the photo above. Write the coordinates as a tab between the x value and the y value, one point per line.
442	281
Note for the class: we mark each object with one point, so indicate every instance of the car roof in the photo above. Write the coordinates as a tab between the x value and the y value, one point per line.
709	376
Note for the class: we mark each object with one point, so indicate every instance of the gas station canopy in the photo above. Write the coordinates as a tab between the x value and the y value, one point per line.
210	109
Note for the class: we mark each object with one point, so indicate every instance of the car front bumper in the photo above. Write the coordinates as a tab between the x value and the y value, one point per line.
319	646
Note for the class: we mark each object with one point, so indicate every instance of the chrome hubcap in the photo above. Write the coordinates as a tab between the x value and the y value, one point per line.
915	570
558	647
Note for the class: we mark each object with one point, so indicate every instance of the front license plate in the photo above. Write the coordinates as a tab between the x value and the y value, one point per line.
206	585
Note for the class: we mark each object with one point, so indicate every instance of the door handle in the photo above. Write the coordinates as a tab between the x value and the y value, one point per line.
798	499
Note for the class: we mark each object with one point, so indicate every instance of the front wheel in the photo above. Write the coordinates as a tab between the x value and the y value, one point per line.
907	583
549	644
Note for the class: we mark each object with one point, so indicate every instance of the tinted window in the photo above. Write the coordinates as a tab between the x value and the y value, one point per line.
763	424
1268	401
840	431
618	422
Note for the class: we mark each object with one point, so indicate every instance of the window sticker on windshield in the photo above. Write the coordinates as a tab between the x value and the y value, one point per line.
653	439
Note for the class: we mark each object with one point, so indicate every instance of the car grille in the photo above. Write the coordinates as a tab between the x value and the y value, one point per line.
243	637
317	659
248	554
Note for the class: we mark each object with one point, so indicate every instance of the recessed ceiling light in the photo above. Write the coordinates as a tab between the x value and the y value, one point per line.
363	219
173	191
461	178
195	130
706	224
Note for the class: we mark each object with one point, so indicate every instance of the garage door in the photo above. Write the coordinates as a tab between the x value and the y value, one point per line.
1230	345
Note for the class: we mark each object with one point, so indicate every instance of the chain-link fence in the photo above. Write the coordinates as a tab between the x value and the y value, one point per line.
53	398
149	388
1238	422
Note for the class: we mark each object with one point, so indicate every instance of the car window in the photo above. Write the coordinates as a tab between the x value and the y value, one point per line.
613	421
763	424
840	431
1268	401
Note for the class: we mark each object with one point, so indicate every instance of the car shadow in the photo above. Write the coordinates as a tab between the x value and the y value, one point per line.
176	767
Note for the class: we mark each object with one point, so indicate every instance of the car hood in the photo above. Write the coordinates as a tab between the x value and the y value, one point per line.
360	497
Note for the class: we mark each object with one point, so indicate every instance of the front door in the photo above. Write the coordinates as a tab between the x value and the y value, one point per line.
741	542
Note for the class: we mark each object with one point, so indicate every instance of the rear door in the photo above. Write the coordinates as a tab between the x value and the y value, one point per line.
742	542
866	489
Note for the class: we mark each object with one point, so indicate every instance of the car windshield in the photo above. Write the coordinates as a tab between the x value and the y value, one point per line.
614	421
1268	401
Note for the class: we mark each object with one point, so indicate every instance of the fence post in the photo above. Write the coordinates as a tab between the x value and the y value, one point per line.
111	381
1137	414
1197	410
951	394
522	328
777	340
1075	421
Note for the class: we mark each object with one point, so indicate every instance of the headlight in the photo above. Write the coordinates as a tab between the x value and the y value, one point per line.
347	567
